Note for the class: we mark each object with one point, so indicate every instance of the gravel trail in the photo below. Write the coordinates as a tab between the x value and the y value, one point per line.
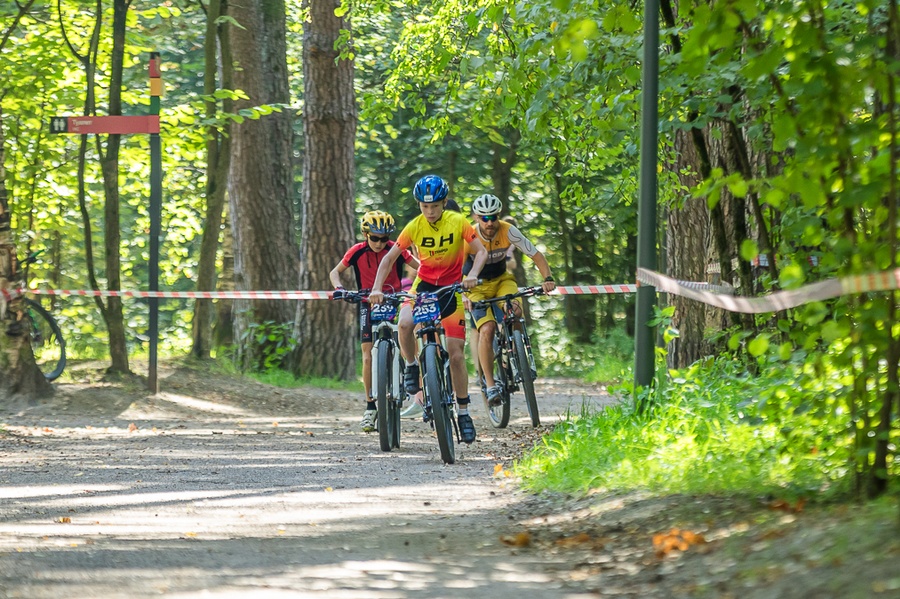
222	487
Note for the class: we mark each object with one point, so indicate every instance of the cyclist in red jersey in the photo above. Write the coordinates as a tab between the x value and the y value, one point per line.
364	259
440	237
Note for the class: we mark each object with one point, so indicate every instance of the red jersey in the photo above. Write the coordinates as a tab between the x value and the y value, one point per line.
364	261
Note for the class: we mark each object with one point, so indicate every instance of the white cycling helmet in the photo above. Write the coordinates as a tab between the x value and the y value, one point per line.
486	205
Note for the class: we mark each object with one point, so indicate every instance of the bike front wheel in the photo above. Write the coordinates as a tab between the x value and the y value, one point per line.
388	414
47	342
527	378
498	415
442	409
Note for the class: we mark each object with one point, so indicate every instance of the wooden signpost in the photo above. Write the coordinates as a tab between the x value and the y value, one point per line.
124	125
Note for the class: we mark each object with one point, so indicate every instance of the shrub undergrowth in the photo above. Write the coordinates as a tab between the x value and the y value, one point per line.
709	429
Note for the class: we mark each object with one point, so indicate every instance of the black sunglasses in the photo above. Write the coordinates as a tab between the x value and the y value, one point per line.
384	239
489	218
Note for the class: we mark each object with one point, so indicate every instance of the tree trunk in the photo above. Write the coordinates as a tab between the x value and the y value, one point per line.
261	179
19	375
109	163
328	192
223	327
686	258
218	158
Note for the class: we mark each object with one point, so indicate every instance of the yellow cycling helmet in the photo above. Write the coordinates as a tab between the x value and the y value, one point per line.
378	222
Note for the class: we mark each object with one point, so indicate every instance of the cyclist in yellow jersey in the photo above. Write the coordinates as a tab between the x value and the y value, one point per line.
498	236
440	237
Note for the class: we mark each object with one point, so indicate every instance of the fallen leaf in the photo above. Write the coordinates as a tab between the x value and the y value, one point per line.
65	520
522	539
328	489
579	539
675	540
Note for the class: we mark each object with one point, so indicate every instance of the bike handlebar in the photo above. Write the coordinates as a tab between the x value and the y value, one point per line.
362	296
527	291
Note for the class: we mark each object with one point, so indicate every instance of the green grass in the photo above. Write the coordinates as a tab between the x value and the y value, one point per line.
701	435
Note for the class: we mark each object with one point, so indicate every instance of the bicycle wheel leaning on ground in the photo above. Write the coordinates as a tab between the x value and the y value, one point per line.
47	342
388	412
527	378
441	409
498	415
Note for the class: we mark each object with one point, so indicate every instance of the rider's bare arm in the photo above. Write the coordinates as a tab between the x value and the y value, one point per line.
335	275
480	256
387	263
520	241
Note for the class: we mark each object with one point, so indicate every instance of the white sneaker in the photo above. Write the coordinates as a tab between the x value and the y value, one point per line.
368	421
414	409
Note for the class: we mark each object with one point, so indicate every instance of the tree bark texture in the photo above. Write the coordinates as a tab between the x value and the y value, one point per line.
687	241
327	341
260	177
218	159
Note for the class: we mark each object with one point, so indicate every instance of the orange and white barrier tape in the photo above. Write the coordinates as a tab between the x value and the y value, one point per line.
273	295
593	289
780	300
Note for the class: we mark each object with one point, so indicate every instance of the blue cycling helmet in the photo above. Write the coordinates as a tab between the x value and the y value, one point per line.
430	189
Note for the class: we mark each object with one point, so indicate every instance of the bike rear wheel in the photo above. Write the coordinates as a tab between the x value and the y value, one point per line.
388	415
527	378
47	342
498	415
441	408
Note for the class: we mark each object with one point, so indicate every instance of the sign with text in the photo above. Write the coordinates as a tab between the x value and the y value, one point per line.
105	124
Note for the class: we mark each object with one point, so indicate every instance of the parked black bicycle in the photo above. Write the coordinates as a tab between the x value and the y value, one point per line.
47	342
388	365
514	366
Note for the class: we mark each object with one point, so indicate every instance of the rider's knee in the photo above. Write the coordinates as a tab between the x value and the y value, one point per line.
488	328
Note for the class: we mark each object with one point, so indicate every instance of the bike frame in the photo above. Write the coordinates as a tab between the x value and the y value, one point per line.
505	308
433	335
513	363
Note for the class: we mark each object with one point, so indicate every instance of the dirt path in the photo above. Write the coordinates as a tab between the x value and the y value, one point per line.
221	487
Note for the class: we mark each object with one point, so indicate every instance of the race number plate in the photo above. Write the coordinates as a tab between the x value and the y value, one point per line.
383	312
426	308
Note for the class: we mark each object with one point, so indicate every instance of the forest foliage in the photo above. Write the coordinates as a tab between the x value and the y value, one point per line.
778	132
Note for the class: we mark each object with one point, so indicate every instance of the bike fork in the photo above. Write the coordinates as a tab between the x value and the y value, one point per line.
374	352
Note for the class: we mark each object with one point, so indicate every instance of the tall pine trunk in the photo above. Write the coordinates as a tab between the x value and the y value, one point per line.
686	251
328	221
261	179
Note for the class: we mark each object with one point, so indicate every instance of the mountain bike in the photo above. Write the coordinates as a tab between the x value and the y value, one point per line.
514	366
440	409
388	365
47	342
